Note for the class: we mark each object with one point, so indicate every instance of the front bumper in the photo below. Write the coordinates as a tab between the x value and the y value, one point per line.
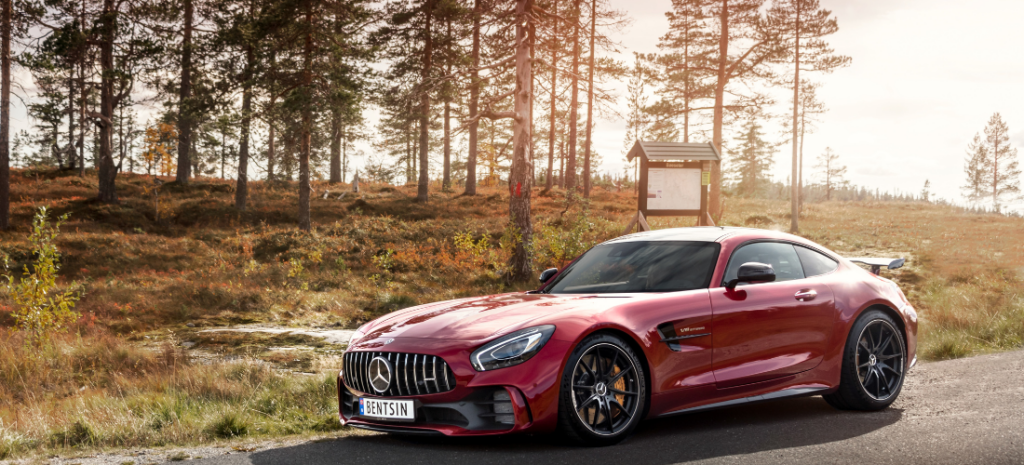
480	411
531	387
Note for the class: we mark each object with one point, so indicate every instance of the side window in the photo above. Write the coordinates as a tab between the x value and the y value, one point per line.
779	255
815	263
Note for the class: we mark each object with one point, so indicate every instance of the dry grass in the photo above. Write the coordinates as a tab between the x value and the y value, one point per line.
98	391
120	380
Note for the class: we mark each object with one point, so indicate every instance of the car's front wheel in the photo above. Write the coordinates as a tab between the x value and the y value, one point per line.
874	364
602	392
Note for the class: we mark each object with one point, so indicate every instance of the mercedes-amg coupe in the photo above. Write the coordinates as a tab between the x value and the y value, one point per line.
646	325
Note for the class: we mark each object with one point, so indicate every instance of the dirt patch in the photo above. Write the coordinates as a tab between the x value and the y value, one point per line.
330	336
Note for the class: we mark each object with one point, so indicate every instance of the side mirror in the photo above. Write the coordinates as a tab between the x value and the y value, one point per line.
547	274
753	272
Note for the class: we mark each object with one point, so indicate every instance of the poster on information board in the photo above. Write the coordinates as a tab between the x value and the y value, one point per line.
673	188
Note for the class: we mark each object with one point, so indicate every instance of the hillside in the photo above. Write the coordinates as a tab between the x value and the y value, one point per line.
133	369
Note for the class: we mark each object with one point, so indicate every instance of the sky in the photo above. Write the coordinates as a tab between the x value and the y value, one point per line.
926	75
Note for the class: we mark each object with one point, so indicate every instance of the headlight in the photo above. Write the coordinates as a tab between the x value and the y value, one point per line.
511	349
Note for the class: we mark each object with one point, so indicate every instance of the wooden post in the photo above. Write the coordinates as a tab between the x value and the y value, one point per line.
704	219
643	186
639	221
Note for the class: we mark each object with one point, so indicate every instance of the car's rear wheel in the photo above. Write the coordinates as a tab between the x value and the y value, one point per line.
874	364
602	392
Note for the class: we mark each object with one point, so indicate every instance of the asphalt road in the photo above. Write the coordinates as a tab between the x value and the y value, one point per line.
961	411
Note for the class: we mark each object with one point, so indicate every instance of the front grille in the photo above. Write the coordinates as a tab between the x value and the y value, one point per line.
414	374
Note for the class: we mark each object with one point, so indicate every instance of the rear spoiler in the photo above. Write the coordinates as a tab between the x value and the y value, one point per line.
876	264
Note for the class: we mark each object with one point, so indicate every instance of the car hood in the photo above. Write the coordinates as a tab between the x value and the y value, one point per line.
481	318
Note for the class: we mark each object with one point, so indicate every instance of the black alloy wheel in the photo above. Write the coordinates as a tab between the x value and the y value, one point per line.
880	359
602	392
874	364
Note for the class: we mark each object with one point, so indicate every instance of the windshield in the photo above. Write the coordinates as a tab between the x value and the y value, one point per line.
654	266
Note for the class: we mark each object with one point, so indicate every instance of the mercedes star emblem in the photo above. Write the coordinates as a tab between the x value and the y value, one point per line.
389	341
379	373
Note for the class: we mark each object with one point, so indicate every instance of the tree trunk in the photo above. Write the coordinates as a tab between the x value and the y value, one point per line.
335	146
82	122
590	103
271	132
184	93
428	43
120	137
242	185
5	114
794	180
446	179
474	102
307	123
800	185
520	176
548	181
223	146
408	156
344	151
107	172
446	176
995	173
570	162
561	165
715	192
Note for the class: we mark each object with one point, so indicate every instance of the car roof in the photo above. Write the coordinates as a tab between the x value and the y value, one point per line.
700	234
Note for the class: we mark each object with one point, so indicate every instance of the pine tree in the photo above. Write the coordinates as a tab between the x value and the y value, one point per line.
1002	176
685	74
746	48
803	24
753	156
976	167
833	174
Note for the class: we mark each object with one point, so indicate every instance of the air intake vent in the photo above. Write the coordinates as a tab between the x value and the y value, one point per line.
412	374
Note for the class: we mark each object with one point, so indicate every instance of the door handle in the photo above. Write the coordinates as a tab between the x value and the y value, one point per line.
804	295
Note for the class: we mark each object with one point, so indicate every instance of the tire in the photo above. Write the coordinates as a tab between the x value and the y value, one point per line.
874	364
610	393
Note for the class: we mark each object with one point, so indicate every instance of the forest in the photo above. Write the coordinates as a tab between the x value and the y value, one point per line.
280	90
190	166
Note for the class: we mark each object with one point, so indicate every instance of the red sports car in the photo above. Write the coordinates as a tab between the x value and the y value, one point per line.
651	324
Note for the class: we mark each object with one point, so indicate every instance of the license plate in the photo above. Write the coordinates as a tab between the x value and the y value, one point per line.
387	409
